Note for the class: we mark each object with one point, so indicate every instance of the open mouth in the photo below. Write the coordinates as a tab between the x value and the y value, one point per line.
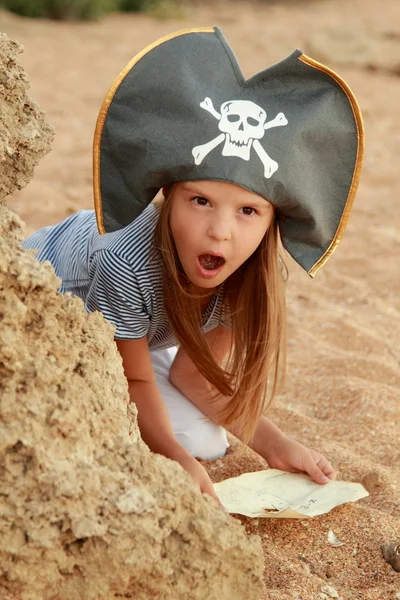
209	262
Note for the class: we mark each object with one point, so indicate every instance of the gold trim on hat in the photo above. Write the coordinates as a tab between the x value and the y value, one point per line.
103	114
357	168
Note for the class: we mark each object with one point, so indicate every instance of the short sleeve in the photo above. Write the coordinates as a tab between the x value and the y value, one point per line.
114	291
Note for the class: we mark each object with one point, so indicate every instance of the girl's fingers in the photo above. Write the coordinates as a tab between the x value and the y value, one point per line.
319	469
208	488
329	471
214	495
325	466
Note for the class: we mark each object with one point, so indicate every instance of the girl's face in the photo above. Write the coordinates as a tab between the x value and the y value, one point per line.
216	227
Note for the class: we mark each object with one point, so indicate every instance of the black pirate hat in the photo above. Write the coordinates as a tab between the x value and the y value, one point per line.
182	110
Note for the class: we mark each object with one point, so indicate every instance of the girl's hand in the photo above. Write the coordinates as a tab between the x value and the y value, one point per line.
198	472
287	454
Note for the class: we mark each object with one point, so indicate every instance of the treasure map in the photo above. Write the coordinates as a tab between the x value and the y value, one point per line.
276	494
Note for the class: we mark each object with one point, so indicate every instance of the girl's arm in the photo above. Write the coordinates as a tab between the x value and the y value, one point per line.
280	451
186	377
153	420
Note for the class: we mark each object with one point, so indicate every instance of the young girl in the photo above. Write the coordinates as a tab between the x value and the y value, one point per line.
199	268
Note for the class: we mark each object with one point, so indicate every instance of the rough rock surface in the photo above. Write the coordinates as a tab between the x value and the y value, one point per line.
86	511
24	135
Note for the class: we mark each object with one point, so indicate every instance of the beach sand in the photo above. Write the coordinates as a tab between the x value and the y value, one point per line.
342	394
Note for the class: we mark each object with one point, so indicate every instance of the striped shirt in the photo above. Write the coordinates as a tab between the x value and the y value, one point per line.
117	273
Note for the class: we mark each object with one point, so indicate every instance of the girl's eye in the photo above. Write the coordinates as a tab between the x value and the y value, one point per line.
248	211
200	201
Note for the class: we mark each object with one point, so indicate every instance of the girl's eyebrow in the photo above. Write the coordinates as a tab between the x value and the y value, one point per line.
256	202
263	204
193	190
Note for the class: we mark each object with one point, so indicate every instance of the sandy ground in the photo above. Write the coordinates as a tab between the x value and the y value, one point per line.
342	394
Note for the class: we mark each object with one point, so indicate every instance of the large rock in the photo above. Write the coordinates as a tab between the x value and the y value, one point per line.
24	135
86	511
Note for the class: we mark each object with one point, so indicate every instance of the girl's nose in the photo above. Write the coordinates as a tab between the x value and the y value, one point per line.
220	230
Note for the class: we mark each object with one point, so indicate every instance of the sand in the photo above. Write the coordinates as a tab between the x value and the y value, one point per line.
342	394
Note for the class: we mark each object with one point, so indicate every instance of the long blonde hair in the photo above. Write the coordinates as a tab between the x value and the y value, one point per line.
255	302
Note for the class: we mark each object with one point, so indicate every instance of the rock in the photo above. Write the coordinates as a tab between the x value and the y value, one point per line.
391	553
86	511
356	48
25	137
330	591
372	480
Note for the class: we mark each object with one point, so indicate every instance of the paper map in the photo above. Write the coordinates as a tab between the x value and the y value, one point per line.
277	494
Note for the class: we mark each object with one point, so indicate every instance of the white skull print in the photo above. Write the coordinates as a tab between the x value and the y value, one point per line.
243	124
242	121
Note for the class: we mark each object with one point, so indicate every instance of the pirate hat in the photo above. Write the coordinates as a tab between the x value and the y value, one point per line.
182	110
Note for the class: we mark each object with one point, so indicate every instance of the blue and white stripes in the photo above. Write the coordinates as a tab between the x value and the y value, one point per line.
117	273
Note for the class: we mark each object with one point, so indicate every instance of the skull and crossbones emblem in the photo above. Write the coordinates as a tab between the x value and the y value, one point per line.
243	124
